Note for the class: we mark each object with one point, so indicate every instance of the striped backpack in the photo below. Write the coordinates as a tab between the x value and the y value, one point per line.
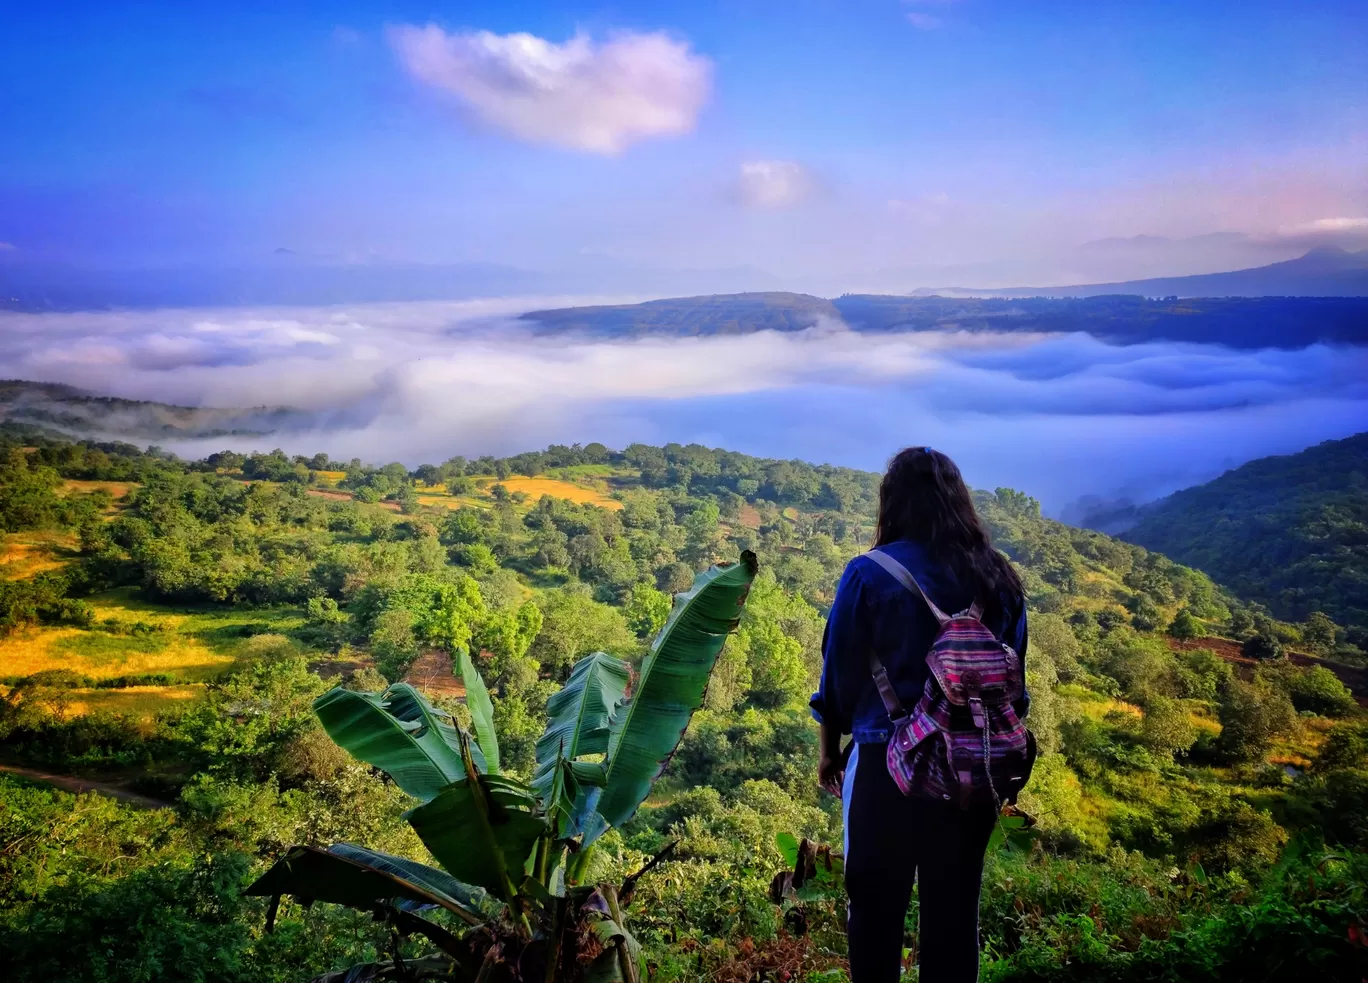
963	741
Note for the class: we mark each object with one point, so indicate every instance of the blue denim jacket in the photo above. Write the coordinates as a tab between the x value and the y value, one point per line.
874	610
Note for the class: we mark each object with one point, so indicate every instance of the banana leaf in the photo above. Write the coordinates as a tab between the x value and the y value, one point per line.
607	966
482	830
578	717
481	710
647	729
400	733
363	879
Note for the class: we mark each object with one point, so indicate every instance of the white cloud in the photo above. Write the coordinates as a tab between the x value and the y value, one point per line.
774	183
599	97
1326	226
1345	231
1058	416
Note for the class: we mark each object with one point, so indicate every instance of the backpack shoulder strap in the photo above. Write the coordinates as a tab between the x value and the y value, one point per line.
904	576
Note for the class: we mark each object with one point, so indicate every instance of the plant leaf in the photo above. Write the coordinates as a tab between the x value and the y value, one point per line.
481	710
362	879
481	829
647	729
579	715
788	846
399	732
430	878
606	967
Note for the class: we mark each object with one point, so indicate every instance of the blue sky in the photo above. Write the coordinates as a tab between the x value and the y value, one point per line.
825	143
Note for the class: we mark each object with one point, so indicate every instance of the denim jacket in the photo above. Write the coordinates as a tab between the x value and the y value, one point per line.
872	610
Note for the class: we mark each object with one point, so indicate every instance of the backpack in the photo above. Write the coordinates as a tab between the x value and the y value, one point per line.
963	741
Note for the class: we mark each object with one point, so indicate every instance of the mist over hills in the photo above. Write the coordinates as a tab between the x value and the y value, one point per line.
53	408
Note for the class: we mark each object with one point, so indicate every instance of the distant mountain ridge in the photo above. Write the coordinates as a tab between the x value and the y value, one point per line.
1239	322
1323	272
1289	531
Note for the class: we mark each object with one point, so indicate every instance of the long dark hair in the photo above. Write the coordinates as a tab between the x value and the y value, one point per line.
923	498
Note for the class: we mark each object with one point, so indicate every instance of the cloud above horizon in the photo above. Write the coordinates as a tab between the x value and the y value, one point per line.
774	183
598	97
1060	416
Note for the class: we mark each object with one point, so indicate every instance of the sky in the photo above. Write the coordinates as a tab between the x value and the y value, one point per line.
811	144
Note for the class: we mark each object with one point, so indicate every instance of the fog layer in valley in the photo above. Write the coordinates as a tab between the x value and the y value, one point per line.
1060	416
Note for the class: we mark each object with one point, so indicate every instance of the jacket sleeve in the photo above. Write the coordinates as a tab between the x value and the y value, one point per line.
845	654
1018	639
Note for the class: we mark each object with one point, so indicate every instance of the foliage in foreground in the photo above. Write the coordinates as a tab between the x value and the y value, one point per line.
515	857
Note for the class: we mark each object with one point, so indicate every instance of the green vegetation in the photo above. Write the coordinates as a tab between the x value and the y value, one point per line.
1288	532
1197	814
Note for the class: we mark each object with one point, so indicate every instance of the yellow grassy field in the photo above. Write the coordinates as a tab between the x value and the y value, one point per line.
132	700
330	478
535	488
103	656
27	554
118	489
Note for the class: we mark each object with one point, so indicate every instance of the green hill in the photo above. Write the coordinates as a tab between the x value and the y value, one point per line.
183	616
1290	532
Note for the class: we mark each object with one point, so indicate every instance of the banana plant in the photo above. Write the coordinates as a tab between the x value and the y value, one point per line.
514	855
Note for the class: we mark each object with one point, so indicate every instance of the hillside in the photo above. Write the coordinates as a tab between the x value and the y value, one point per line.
711	315
75	412
1278	322
166	625
1290	531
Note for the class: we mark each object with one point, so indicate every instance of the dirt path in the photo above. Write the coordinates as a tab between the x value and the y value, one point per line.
70	783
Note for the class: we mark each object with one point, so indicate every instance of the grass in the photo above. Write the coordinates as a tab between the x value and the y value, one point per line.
27	554
135	701
191	645
104	656
1096	705
330	478
117	489
534	488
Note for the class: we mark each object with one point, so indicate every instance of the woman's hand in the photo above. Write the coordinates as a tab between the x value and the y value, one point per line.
831	772
831	764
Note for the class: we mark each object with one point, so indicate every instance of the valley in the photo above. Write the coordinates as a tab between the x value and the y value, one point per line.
166	625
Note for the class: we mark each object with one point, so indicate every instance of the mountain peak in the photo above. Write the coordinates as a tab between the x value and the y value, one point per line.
1333	258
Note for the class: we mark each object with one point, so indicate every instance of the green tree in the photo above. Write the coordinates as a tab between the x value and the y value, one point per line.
1252	715
1167	728
1318	690
1319	632
1184	625
574	624
1262	646
647	610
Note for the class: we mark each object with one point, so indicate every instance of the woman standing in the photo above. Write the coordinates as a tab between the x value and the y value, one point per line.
926	523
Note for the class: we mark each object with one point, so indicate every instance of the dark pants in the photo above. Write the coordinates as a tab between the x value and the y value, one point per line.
892	840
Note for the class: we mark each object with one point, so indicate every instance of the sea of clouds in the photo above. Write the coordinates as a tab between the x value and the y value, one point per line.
1060	416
